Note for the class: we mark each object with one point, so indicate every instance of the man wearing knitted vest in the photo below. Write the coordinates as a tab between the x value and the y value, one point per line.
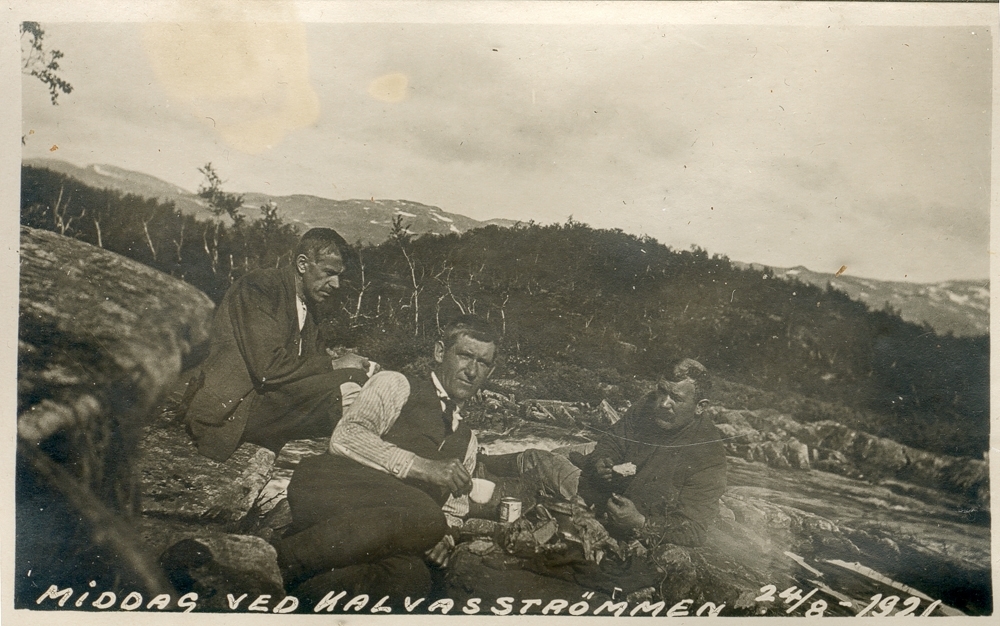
367	514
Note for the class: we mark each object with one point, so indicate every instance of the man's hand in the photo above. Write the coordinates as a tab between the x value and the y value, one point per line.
622	513
351	361
439	554
603	468
450	474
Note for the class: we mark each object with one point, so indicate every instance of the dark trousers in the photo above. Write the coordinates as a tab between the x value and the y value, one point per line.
399	577
346	515
308	408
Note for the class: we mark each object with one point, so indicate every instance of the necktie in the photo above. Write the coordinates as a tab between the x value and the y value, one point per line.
449	413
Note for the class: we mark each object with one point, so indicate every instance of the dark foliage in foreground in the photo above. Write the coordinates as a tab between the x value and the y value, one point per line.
585	313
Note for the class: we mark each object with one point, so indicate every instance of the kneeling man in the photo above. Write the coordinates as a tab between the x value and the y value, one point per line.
659	472
366	514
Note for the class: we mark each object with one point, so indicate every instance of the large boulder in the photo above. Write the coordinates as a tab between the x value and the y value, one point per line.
199	517
99	338
216	565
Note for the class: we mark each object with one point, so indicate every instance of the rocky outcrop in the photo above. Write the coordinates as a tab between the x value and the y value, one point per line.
99	335
877	458
764	435
780	523
754	543
201	519
780	441
99	338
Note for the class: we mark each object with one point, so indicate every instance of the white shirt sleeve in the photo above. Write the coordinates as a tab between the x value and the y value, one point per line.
358	435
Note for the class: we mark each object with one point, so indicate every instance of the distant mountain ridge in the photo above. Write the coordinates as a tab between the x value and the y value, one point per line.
961	307
367	221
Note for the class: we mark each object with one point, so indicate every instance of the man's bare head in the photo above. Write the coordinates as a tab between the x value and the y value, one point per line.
317	242
465	356
679	402
319	262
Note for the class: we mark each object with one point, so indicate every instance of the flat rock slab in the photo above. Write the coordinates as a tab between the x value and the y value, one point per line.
298	449
180	484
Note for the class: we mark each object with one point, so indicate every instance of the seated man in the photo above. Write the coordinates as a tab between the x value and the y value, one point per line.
659	472
365	515
267	380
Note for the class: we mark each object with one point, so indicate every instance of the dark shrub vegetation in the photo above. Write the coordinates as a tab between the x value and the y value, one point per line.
586	314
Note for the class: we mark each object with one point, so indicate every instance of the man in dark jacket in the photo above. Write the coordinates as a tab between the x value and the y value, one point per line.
267	379
659	472
398	474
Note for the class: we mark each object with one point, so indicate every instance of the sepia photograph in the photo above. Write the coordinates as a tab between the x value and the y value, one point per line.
672	309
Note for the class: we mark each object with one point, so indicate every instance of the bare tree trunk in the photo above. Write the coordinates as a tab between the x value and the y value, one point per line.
437	311
503	315
416	292
213	250
180	243
59	214
416	312
446	272
69	222
145	229
149	241
96	217
56	221
361	292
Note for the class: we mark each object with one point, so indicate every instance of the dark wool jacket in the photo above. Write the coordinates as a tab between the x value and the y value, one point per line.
679	475
254	347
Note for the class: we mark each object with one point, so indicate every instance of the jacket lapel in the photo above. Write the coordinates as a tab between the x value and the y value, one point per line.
292	313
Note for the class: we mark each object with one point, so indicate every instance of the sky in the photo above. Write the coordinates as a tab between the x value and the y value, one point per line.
823	145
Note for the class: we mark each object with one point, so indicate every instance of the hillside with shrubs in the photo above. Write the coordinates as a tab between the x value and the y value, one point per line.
587	314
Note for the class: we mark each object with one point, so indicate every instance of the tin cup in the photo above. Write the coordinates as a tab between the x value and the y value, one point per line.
482	490
510	509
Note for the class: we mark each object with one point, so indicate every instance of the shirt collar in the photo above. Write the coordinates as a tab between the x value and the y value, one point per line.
301	311
456	415
438	387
